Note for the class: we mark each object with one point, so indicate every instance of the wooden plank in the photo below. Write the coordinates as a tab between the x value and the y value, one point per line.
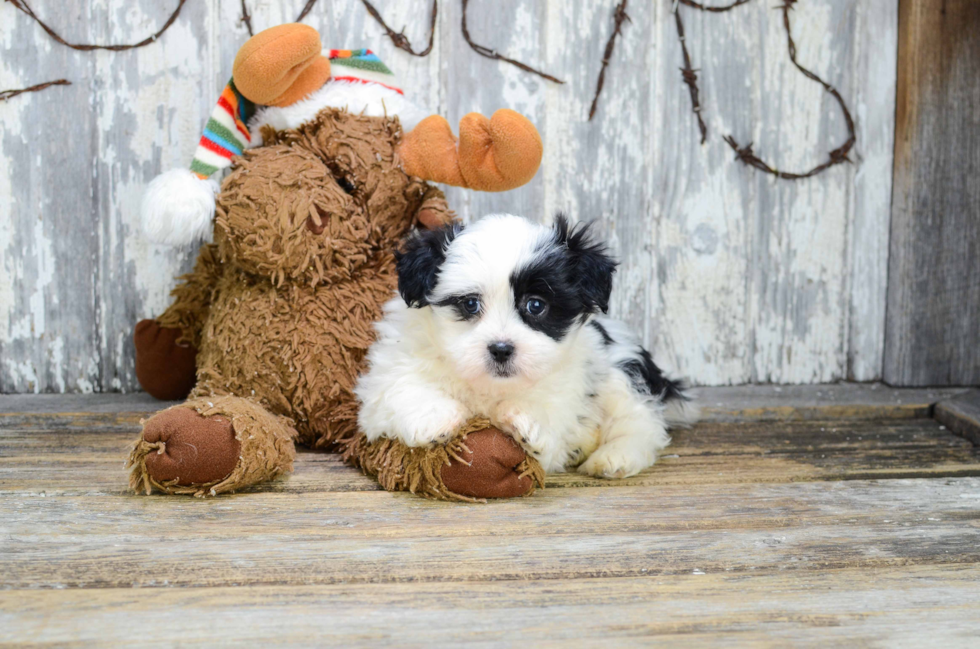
871	96
759	277
267	539
738	403
916	605
83	456
962	415
833	401
932	336
48	309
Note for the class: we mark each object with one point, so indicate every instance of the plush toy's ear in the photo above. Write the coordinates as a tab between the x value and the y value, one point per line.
592	266
178	208
418	264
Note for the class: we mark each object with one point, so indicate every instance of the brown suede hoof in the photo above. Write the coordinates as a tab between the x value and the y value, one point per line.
197	450
165	369
493	470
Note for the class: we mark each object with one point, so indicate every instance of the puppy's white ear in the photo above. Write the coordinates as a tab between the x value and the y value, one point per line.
419	261
178	208
592	265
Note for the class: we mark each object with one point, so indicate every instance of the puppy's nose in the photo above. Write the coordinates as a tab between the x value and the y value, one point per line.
501	351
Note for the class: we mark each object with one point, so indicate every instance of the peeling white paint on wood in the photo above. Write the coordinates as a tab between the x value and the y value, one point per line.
731	276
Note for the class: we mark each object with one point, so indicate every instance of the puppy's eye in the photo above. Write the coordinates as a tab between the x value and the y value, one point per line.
471	305
535	306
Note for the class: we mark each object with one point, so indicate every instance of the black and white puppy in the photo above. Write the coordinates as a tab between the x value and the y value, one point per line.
500	319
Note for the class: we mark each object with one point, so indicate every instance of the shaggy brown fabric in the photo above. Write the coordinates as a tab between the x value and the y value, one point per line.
165	368
192	298
281	315
265	440
423	471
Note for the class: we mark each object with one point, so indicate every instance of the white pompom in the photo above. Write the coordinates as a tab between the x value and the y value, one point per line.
178	208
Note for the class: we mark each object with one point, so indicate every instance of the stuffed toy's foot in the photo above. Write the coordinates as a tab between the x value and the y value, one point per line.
211	445
165	368
479	462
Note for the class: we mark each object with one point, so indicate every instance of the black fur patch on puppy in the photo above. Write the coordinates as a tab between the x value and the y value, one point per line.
571	273
606	338
649	379
418	263
592	267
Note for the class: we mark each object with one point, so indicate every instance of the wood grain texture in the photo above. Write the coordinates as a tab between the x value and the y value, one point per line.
81	453
962	415
766	534
738	403
915	606
731	277
932	337
380	537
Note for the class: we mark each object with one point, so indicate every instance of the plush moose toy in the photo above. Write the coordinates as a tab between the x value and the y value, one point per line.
330	169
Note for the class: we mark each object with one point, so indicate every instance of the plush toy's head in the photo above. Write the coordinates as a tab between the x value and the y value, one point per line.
283	82
318	203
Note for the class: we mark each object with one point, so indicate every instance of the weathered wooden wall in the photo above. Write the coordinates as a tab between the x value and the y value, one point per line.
730	275
933	328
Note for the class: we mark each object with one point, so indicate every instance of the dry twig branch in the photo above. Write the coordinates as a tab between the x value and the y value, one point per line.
745	154
482	50
86	47
247	17
690	76
398	38
619	17
10	94
306	10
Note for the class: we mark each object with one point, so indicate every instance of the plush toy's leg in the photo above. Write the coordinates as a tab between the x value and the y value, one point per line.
165	368
479	462
166	348
211	445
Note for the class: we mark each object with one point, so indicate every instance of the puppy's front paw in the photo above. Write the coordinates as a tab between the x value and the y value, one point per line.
434	423
514	421
614	461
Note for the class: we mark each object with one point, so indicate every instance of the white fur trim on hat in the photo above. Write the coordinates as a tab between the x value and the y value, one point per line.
178	208
371	99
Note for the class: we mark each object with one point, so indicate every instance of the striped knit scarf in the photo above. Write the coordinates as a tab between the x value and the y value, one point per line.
226	133
360	66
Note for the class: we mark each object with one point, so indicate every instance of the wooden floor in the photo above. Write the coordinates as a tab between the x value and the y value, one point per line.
840	514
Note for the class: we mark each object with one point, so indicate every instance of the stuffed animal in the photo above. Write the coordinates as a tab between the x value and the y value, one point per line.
330	169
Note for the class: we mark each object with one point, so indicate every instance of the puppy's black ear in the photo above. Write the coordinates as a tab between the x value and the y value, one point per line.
591	265
418	263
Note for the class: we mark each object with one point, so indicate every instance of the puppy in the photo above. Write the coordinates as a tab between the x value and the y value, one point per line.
500	319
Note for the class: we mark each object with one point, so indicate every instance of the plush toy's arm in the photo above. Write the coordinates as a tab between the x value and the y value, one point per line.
434	211
166	348
478	462
192	297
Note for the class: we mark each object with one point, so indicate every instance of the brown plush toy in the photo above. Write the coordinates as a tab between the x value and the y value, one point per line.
329	170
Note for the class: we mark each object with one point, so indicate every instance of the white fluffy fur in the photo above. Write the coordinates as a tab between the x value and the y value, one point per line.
178	208
369	99
566	402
